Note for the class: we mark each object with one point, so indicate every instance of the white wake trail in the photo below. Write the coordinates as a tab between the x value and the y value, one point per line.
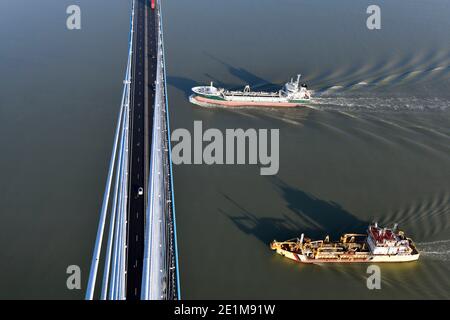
326	102
439	250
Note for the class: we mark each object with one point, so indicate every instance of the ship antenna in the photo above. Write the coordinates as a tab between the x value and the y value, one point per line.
211	84
298	78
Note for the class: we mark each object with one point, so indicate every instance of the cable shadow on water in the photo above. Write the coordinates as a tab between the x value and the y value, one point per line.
308	214
186	84
242	74
183	84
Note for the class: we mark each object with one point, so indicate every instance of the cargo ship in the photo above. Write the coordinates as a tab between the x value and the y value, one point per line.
292	94
378	245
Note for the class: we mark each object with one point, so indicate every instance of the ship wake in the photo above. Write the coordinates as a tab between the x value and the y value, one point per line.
436	250
380	104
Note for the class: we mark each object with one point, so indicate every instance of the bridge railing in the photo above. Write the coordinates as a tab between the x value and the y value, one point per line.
161	253
115	255
175	289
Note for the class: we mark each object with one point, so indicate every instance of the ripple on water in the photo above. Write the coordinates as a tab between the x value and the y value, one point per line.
401	69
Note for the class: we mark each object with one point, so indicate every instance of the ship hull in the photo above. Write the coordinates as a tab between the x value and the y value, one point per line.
369	258
207	102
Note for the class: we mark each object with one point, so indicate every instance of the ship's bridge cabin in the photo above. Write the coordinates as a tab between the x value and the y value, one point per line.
386	241
291	87
207	90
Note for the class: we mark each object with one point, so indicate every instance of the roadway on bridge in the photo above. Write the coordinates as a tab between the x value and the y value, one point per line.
142	106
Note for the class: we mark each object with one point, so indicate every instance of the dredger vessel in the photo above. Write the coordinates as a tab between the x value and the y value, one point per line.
378	245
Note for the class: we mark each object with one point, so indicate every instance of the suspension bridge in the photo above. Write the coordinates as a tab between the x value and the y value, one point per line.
135	253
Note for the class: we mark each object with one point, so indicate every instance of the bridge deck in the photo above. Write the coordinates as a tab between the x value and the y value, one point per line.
141	254
142	106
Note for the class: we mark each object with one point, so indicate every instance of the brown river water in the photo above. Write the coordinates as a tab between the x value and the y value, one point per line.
373	146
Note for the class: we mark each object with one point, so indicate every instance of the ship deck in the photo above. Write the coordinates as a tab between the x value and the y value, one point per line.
252	94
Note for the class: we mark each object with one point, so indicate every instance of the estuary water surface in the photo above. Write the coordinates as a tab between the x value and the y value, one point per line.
59	98
373	146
